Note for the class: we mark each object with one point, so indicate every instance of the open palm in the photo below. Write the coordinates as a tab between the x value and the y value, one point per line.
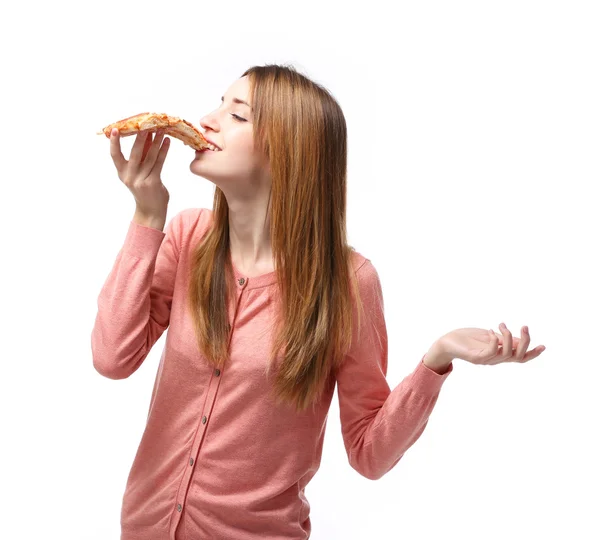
480	346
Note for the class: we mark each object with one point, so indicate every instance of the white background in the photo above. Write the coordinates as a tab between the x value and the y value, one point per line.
473	171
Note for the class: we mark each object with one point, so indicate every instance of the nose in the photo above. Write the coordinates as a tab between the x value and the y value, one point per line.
209	122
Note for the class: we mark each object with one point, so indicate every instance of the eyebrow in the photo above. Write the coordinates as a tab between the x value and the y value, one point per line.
237	100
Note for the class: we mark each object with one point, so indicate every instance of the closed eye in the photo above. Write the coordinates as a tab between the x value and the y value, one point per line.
238	118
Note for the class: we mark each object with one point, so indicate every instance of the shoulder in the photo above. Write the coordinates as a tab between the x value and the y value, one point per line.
369	283
193	217
189	221
188	226
363	268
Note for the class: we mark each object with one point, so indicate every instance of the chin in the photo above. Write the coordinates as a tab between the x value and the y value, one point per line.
197	169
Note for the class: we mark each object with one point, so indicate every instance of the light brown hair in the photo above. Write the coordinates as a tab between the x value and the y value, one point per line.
301	129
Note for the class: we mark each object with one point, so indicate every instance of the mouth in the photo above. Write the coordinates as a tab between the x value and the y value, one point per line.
206	151
212	146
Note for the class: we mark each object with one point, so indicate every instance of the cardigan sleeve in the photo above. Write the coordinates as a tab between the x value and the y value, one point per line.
134	304
380	425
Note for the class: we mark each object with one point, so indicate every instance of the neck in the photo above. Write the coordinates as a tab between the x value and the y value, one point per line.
249	236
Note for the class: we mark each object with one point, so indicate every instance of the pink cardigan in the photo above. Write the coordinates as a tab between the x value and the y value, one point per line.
218	459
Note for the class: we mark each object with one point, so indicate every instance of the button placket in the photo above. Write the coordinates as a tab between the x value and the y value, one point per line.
188	475
241	283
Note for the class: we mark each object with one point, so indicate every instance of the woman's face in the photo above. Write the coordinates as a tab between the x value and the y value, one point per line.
236	167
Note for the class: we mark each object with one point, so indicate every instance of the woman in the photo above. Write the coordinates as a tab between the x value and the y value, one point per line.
268	309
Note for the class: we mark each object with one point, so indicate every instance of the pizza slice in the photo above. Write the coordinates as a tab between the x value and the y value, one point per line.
173	126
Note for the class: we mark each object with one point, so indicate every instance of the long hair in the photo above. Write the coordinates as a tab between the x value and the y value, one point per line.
301	129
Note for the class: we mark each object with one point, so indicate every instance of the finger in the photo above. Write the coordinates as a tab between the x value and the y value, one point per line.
534	353
506	342
138	147
493	346
162	155
523	344
501	338
147	145
150	159
115	150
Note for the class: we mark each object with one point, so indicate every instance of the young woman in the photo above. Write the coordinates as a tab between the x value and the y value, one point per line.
268	309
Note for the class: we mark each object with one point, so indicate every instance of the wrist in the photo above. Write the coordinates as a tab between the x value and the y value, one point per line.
154	222
437	359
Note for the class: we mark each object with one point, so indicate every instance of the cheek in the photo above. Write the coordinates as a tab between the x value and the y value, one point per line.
242	146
